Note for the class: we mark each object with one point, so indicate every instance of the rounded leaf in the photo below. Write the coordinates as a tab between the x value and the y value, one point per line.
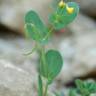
34	26
54	63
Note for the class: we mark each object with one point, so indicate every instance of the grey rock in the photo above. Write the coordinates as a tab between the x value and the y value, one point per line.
82	25
12	12
13	50
79	50
88	7
14	81
17	70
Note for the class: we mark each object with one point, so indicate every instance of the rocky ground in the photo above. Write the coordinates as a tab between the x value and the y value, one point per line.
11	10
18	75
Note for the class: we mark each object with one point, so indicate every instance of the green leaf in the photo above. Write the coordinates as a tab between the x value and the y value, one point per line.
59	94
61	18
72	92
91	87
80	84
82	88
53	65
40	87
34	27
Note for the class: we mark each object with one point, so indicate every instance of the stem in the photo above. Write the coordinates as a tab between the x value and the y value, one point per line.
49	32
40	86
44	61
31	51
46	89
40	81
41	51
42	56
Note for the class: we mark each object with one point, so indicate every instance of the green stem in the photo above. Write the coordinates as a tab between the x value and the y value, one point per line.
40	86
44	65
40	81
46	89
41	51
43	59
49	32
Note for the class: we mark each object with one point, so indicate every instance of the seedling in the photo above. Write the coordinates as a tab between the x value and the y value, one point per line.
51	61
83	88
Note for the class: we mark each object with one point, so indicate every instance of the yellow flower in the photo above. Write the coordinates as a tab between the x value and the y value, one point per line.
61	4
70	10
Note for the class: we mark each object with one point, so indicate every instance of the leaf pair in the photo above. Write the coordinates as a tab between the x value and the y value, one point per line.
59	18
52	66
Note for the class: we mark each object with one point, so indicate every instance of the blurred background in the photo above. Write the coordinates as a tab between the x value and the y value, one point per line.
77	44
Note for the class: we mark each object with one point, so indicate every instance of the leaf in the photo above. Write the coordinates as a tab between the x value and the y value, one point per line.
61	18
82	87
91	87
72	92
54	63
80	84
40	89
34	27
59	94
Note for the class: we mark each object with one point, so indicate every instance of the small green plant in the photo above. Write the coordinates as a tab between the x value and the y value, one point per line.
83	88
50	62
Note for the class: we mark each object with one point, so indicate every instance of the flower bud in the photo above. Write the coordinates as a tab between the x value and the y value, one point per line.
70	10
62	4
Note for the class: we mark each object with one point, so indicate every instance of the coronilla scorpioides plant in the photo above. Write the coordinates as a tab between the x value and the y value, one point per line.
50	62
